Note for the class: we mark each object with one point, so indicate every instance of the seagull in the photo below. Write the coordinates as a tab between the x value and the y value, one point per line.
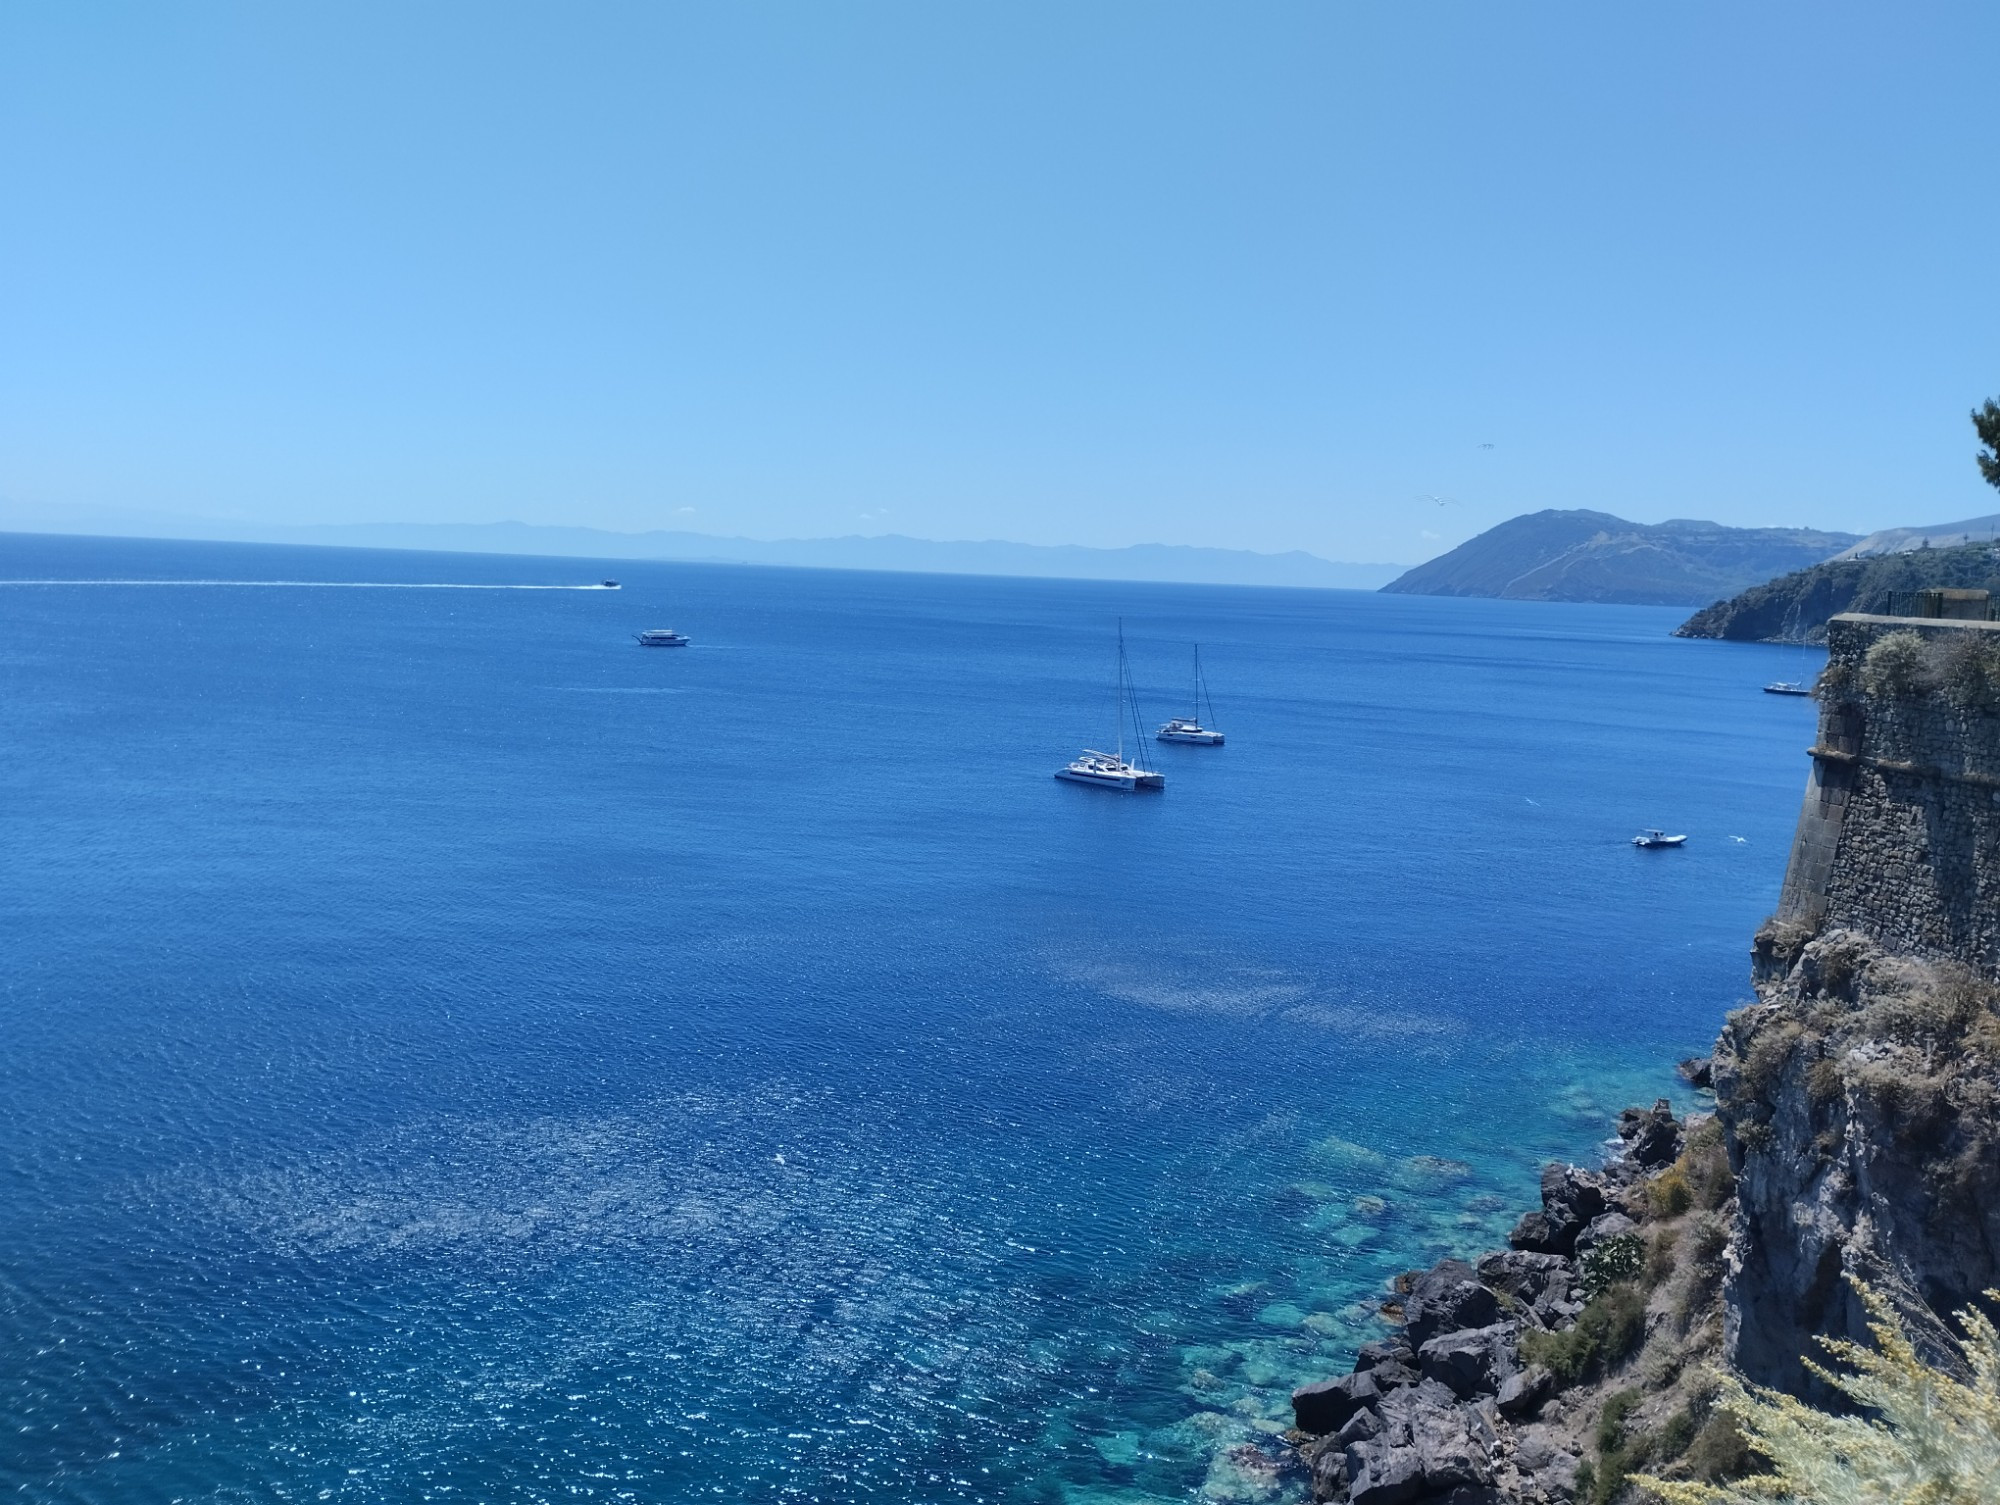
1486	446
1442	501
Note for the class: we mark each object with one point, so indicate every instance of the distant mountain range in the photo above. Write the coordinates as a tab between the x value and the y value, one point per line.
1795	607
1165	562
1593	556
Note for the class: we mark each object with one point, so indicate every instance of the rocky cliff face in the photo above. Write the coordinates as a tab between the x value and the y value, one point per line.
1861	1099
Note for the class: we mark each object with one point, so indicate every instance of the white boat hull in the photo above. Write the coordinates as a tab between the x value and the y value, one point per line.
1137	780
1196	739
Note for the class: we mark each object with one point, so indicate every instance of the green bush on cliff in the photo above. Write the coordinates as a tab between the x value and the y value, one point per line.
1922	1437
1608	1329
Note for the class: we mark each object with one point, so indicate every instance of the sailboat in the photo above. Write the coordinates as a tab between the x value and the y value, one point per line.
1111	770
1189	728
1795	630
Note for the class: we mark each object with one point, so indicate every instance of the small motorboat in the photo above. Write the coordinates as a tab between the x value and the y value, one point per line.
1653	837
611	585
662	637
1787	687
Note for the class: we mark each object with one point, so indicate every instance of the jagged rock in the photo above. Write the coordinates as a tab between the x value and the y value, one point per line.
1381	1475
1450	1453
1605	1226
1536	1233
1445	1298
1395	1375
1570	1199
1522	1393
1387	1351
1560	1304
1552	1470
1471	1362
1655	1136
1520	1274
1698	1071
1327	1405
1361	1426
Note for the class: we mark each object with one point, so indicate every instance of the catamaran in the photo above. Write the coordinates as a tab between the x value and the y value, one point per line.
1111	770
1189	728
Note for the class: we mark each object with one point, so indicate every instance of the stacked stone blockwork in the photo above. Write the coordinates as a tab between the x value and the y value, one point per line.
1899	837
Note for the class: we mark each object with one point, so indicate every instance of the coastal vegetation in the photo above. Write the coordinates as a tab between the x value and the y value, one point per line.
1921	1435
1795	608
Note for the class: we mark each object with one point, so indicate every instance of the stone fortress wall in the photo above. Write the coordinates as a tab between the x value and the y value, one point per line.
1899	837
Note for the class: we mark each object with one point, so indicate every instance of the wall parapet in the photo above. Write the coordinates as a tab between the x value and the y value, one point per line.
1899	833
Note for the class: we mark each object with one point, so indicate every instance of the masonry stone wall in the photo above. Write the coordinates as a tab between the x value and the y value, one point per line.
1899	836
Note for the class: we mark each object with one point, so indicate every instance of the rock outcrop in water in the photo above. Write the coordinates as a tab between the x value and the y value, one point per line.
1487	1390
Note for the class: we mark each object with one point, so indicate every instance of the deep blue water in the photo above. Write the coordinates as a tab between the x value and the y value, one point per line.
453	1053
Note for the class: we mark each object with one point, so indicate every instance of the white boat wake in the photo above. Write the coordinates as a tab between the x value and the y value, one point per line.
371	585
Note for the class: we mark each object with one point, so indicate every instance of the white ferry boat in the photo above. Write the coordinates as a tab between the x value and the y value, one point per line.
662	637
1189	728
1112	770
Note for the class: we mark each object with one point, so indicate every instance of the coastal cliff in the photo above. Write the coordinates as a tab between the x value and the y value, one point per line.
1856	1136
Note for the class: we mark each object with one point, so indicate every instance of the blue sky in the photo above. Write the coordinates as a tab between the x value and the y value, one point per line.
1263	276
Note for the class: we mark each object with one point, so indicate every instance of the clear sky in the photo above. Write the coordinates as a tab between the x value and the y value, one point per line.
1262	275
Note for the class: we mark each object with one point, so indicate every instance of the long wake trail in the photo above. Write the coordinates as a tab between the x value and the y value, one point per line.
371	585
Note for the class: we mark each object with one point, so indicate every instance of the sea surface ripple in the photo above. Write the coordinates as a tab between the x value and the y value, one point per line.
454	1053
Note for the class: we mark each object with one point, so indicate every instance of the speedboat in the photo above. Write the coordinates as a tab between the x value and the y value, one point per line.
662	637
1786	687
1653	837
1110	771
611	585
1189	728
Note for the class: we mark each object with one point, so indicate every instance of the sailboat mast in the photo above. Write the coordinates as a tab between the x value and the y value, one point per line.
1119	708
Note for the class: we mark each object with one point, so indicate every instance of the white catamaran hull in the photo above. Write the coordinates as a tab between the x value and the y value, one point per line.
1200	739
1113	780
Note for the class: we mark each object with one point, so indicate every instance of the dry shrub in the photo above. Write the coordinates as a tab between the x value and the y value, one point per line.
1670	1195
1968	671
1897	667
1824	1084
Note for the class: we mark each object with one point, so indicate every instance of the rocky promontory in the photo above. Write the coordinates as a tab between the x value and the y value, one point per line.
1498	1378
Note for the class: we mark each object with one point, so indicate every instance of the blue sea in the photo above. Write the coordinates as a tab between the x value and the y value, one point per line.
452	1053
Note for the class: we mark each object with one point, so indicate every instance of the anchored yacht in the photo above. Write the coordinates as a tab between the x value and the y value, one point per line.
1189	728
1112	770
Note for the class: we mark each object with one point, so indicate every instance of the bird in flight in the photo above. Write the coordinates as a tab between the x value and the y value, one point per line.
1486	446
1442	501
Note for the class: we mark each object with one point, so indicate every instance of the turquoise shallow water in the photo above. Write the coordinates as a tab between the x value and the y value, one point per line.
453	1053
